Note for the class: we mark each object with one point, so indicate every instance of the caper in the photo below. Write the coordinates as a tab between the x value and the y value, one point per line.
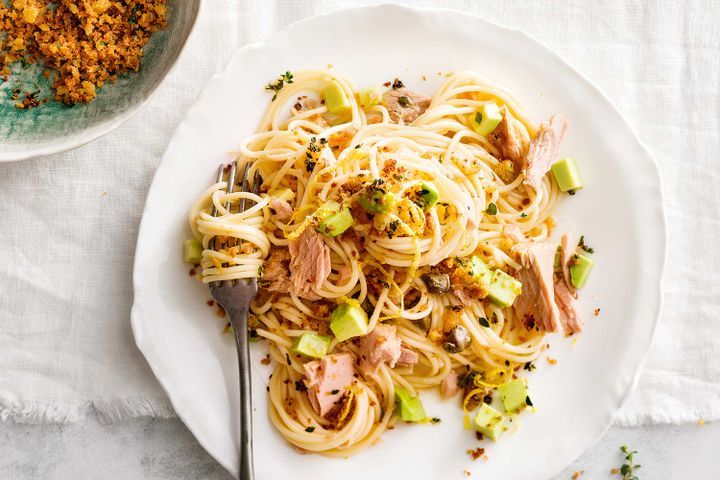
436	282
423	323
457	339
368	307
411	299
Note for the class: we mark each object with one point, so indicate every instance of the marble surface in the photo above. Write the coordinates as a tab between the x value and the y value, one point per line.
150	449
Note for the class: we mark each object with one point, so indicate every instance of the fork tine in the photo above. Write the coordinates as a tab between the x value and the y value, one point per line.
256	183
221	172
246	172
231	182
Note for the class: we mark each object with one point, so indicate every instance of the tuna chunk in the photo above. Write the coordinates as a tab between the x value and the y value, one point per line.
305	104
569	313
327	379
275	272
462	295
536	304
543	150
568	248
344	274
406	105
565	293
449	386
408	356
507	139
309	262
514	233
379	346
283	210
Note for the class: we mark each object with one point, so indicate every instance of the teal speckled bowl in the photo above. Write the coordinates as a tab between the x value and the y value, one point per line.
52	127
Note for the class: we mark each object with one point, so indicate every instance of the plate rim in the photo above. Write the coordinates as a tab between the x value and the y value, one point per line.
93	133
653	168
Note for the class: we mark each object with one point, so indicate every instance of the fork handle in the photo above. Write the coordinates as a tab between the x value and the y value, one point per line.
238	317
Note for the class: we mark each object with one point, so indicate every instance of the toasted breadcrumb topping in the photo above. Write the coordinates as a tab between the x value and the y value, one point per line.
81	43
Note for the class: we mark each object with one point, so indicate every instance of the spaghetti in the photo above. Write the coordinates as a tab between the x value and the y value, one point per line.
425	198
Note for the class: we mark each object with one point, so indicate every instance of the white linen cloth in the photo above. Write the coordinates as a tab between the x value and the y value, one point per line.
69	221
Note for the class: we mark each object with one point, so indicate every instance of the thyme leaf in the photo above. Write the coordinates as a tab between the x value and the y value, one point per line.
277	85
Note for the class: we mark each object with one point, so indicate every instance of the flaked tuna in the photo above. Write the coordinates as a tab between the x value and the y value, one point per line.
406	105
543	150
276	271
309	262
536	304
327	380
283	210
379	346
449	386
507	139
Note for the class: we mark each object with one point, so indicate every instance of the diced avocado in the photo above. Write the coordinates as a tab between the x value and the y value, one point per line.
348	320
488	421
580	268
514	394
411	408
475	271
337	223
486	118
333	218
428	194
503	289
371	96
192	251
479	269
312	345
335	99
375	200
567	174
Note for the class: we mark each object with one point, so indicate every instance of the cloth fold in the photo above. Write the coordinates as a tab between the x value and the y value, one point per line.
69	221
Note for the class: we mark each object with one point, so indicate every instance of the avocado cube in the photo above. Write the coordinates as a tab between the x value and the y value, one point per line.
478	268
376	201
410	408
488	421
428	194
335	99
567	174
580	268
371	96
348	320
514	394
192	251
333	219
486	118
503	289
480	272
311	345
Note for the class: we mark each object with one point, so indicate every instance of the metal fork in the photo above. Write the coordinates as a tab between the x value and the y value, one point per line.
235	297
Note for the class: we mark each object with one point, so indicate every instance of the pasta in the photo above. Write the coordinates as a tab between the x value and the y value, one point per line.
397	210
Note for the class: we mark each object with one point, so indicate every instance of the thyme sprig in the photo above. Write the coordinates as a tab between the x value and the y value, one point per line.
585	246
285	78
629	468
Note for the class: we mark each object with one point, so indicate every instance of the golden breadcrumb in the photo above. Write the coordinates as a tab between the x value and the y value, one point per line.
82	43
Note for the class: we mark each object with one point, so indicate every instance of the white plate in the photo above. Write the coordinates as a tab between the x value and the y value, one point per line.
619	211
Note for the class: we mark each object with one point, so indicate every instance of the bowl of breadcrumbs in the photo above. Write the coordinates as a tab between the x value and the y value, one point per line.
73	70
